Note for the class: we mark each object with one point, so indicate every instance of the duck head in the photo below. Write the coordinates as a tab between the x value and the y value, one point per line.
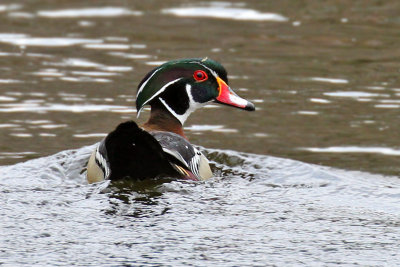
182	86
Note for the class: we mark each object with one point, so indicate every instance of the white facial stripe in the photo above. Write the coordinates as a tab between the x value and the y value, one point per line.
162	89
195	62
145	82
193	105
204	66
181	118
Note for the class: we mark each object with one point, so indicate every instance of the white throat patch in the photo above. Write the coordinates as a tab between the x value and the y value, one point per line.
193	105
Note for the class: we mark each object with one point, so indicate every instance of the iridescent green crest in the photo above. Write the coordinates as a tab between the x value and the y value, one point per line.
173	73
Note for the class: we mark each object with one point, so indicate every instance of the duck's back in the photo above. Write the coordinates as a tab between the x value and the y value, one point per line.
130	151
187	155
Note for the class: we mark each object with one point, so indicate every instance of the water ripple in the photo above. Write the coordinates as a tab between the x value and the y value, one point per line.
108	46
354	149
255	206
89	12
224	11
10	7
26	40
37	108
329	80
354	94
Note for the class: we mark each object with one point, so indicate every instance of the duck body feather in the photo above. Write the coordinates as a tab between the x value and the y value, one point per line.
131	152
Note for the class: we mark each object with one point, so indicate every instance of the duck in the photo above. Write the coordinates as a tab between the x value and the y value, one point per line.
159	147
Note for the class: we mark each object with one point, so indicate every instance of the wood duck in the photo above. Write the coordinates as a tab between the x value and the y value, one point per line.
159	147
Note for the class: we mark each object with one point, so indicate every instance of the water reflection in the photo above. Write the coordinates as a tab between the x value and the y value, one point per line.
37	108
26	40
224	10
329	80
10	7
355	94
89	12
255	203
323	80
325	76
355	149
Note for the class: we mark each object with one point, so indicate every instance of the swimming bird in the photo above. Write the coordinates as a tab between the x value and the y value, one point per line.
159	147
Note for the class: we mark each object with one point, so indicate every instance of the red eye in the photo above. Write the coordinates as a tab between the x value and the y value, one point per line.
200	75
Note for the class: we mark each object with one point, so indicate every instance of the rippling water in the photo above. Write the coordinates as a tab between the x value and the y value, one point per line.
258	210
324	78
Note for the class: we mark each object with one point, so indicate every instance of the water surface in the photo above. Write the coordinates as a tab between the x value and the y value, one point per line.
258	210
323	76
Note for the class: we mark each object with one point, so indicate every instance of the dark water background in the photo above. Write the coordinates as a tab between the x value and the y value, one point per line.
324	78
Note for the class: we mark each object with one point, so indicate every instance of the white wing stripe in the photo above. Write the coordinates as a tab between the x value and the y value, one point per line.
195	164
102	162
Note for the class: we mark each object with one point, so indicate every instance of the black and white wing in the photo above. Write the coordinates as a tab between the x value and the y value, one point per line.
129	151
189	156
